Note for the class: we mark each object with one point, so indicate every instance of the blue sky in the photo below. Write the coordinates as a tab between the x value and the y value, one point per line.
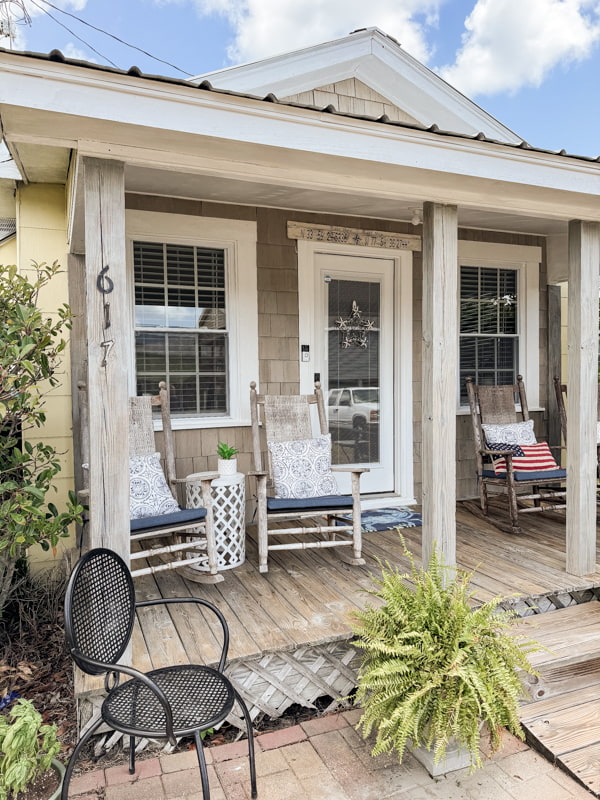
533	64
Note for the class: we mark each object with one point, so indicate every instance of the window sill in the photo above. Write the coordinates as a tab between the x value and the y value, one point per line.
201	423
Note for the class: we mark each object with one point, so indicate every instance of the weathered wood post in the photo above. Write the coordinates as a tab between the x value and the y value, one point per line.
582	382
440	364
108	331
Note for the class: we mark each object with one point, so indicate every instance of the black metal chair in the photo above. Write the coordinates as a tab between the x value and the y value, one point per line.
172	702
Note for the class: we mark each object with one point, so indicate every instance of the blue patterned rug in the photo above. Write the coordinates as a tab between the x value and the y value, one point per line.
384	519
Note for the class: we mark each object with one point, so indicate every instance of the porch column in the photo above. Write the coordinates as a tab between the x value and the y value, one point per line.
108	330
440	364
582	383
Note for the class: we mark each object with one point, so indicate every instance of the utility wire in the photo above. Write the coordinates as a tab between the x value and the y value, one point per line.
106	33
62	25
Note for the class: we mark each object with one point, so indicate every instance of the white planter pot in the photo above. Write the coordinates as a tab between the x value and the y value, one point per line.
455	759
227	466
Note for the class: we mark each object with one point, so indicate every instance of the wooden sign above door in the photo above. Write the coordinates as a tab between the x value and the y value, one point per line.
335	234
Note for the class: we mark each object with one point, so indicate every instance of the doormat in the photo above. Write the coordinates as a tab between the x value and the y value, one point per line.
385	519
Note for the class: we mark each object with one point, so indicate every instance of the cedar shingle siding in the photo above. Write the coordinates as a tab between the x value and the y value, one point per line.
277	267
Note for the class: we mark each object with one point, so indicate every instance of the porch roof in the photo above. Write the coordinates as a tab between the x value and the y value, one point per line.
270	97
181	140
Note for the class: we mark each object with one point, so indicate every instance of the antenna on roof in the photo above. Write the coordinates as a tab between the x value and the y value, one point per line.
12	13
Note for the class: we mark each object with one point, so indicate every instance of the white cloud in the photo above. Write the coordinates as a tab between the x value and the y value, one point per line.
267	27
513	43
71	50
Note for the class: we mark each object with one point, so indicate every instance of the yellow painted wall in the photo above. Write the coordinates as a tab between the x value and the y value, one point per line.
42	236
8	252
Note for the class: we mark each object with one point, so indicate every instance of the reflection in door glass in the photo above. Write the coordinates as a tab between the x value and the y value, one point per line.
353	325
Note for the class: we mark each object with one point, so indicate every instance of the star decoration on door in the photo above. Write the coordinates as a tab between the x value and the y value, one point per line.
354	328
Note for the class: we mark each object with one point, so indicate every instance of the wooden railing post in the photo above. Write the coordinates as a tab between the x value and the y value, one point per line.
109	332
440	364
582	382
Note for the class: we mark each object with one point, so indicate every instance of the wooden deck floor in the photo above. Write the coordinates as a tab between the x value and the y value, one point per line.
292	625
307	596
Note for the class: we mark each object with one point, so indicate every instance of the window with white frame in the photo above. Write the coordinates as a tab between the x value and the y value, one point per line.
499	316
181	333
489	326
194	314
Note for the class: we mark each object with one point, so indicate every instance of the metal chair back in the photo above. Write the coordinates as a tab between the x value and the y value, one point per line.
99	609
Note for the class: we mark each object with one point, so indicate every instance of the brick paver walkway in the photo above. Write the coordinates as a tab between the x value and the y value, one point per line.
326	758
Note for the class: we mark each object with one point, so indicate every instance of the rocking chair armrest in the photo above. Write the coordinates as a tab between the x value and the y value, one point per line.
484	451
258	473
140	676
360	470
198	601
200	478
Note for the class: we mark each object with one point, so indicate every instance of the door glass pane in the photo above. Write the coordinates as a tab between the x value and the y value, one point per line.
354	321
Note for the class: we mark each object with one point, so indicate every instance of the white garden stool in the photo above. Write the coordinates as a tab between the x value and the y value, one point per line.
229	508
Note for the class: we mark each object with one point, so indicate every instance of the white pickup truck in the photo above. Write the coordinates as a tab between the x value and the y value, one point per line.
354	408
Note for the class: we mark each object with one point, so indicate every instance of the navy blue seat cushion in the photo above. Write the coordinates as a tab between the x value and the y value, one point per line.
189	515
329	502
549	474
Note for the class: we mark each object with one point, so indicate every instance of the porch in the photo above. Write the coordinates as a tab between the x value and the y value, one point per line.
291	627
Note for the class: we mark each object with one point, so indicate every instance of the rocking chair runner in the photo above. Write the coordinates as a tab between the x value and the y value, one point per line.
191	531
561	396
495	405
288	419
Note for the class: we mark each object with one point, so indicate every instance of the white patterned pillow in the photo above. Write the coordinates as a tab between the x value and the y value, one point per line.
302	468
149	495
511	433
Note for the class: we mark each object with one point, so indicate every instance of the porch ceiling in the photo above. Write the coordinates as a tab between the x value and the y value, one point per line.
142	180
49	164
229	149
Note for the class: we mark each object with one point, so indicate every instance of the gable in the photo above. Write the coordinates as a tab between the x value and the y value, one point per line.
352	96
376	61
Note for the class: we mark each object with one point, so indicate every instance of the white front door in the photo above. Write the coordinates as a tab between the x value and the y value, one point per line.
357	373
356	335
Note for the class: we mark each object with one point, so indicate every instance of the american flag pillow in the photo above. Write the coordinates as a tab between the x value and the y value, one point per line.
526	457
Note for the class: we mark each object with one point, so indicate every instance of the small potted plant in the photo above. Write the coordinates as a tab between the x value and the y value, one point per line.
28	767
435	671
227	461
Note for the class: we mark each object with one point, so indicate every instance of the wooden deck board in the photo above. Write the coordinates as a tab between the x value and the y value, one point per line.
560	702
584	764
303	607
308	596
569	728
565	724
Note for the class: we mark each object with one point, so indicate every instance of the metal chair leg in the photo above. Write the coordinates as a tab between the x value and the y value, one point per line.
64	794
132	755
202	765
251	759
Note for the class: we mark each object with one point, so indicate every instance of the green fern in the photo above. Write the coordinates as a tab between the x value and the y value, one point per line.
433	668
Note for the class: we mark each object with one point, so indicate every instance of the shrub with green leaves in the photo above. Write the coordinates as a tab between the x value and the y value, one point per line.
27	747
31	344
434	668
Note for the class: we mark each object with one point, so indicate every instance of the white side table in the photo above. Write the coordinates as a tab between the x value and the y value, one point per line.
229	507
